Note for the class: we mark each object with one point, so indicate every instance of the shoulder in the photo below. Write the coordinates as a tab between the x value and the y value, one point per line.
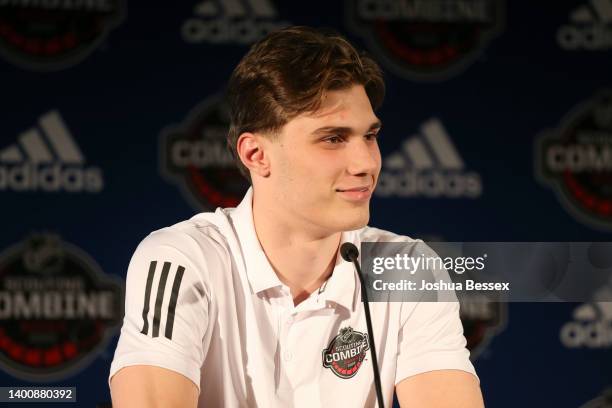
199	232
196	241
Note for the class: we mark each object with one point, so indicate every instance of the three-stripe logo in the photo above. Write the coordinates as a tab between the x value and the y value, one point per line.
231	21
414	149
590	27
47	159
159	299
428	165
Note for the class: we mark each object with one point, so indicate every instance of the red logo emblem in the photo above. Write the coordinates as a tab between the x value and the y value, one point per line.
346	352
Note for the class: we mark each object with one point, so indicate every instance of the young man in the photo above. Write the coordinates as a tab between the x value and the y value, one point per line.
253	306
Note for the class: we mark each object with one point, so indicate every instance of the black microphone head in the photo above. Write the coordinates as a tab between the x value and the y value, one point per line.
349	251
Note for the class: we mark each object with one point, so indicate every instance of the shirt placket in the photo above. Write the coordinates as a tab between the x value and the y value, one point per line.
284	318
293	341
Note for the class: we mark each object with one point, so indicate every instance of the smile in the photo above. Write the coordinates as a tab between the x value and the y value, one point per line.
356	194
353	189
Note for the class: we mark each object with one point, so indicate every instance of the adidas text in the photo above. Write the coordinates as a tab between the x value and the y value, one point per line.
197	30
594	37
594	334
231	21
50	178
429	184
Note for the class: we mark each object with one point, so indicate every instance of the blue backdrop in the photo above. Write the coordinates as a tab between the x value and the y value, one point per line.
497	127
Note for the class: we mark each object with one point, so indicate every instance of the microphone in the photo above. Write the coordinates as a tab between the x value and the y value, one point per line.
349	253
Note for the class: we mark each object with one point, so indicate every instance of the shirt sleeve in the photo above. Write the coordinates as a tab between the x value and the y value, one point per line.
431	338
166	306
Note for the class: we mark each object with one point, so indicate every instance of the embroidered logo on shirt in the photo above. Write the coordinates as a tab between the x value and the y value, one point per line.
346	352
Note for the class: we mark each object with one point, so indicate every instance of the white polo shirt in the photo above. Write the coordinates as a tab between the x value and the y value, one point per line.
203	300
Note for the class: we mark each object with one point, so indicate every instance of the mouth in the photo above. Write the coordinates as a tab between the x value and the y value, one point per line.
355	194
362	189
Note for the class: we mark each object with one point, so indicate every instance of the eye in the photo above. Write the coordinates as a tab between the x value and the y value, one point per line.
371	136
334	139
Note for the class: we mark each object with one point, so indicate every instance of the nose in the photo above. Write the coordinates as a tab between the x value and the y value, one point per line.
363	157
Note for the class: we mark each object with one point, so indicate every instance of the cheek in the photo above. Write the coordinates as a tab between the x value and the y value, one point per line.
378	158
314	166
308	176
296	176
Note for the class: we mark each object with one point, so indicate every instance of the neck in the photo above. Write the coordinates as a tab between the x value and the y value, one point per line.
302	256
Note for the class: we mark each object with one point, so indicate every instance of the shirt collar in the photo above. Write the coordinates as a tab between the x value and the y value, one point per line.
259	271
339	288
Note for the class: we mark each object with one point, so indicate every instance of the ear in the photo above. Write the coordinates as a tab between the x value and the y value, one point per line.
250	148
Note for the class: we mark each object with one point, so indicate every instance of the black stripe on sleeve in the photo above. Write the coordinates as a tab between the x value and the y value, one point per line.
173	298
145	308
160	298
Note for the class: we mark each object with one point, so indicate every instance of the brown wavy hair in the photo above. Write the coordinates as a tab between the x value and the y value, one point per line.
287	73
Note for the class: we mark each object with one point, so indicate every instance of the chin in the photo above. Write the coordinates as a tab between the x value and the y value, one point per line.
354	221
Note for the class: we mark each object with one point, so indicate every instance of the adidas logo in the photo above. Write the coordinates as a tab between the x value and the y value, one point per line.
231	21
590	27
428	166
592	323
48	160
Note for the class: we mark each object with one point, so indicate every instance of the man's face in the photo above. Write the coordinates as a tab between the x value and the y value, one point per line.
324	165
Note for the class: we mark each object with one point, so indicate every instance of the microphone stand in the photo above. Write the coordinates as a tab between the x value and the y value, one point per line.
350	253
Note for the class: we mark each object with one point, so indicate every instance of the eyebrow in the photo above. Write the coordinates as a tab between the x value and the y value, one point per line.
345	130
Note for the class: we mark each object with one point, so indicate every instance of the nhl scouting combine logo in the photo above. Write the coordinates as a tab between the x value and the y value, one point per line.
482	320
232	21
426	39
428	165
575	159
346	352
57	309
54	34
194	155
